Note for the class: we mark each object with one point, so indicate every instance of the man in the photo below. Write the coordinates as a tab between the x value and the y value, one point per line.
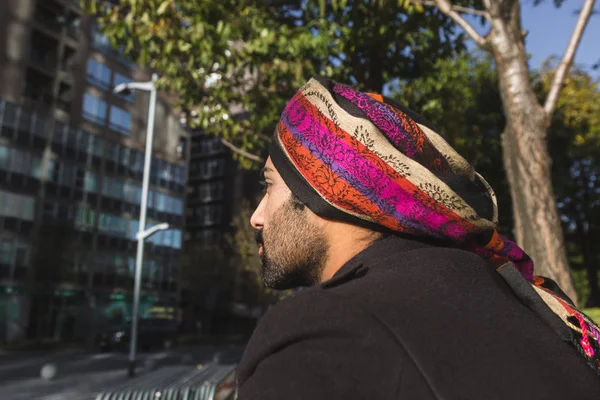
413	294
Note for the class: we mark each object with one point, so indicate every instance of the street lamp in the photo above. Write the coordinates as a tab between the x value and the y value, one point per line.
142	233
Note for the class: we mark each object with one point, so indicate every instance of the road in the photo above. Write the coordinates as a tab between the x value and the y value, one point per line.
81	375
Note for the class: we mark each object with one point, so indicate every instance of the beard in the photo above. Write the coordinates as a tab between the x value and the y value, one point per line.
294	251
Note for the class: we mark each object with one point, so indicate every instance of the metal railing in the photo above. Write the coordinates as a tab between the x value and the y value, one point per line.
210	382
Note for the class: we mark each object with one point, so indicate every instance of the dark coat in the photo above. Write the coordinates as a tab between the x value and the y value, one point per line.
409	320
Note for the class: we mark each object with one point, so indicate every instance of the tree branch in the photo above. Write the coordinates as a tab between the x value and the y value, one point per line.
460	9
241	152
567	60
446	7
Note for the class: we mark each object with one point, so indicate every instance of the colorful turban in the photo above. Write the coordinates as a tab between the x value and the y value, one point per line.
365	159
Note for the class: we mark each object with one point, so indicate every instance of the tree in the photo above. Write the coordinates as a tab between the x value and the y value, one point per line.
574	139
462	99
527	161
235	63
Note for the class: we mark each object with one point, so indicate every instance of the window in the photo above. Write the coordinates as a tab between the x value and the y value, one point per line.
66	174
137	161
6	246
211	145
120	120
96	146
210	191
132	193
83	142
94	109
10	115
113	225
98	74
4	157
120	78
164	172
124	153
112	151
20	162
179	174
85	219
100	41
16	205
161	202
176	239
134	227
36	167
177	206
112	188
90	182
22	251
209	215
212	168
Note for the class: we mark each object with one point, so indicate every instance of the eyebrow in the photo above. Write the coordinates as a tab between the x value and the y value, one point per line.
265	170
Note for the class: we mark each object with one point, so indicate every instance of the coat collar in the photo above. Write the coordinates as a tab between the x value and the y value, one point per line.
390	244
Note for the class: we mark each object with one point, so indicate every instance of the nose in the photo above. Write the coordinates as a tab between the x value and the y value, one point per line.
257	220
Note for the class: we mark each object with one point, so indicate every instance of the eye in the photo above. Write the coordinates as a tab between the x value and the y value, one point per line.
265	185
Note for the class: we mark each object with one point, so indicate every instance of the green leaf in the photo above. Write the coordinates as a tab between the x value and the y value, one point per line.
163	7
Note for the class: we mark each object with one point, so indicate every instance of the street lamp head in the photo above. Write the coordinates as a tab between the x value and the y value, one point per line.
122	89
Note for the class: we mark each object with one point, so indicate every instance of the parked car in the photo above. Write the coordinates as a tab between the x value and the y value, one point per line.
152	333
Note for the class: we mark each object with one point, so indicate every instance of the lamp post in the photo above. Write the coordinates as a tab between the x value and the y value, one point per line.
142	233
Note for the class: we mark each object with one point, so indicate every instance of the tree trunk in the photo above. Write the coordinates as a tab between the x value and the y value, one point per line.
527	161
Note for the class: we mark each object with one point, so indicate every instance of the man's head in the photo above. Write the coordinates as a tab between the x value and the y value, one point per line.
360	163
293	247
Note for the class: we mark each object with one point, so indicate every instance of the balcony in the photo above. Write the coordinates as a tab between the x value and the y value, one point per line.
43	52
50	15
73	26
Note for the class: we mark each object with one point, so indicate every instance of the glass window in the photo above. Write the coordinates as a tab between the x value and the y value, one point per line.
6	246
176	239
85	219
124	153
178	206
17	206
36	167
67	174
4	157
112	188
84	141
164	172
132	193
134	227
94	109
10	114
161	202
96	146
27	208
20	162
72	138
137	161
40	127
90	182
168	238
120	78
22	255
120	120
151	198
98	74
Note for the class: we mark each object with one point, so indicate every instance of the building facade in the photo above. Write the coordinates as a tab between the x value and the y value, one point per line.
71	165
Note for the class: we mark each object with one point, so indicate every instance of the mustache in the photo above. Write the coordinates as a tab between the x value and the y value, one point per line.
258	236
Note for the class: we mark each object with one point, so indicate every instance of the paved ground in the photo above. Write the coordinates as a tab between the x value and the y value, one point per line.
82	375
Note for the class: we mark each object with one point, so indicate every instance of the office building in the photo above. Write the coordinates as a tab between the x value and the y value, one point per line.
71	165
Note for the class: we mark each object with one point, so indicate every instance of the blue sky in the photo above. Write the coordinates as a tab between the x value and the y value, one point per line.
550	29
